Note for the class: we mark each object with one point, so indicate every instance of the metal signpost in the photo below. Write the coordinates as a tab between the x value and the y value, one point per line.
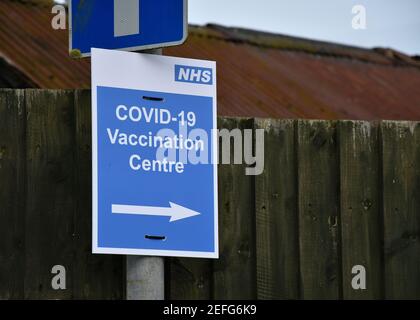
131	25
154	156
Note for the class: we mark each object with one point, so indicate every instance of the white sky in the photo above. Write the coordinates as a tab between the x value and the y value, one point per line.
390	23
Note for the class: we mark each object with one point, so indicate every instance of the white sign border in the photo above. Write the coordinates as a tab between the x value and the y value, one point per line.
137	48
151	252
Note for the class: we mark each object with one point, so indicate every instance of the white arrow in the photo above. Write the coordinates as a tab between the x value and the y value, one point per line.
176	212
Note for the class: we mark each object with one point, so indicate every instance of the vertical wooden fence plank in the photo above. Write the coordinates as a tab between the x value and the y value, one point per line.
12	193
95	276
276	214
190	279
50	192
361	231
234	274
318	182
401	203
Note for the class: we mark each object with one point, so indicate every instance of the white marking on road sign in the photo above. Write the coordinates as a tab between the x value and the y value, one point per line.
126	17
176	212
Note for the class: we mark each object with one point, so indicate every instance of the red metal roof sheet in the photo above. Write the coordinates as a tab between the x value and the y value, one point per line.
259	74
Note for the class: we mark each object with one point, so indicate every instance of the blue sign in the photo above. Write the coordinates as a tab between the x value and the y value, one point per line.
130	25
154	155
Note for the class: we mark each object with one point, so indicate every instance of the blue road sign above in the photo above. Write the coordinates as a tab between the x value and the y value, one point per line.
154	155
130	25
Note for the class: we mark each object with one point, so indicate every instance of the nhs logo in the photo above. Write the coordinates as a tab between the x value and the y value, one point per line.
193	74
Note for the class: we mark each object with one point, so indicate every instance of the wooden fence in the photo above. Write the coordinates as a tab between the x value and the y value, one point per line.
333	195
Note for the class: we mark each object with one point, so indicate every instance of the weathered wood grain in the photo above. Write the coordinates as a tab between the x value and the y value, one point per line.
234	274
190	279
276	213
361	231
401	205
319	221
49	237
12	193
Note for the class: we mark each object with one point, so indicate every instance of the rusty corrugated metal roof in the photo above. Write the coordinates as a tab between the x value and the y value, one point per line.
259	74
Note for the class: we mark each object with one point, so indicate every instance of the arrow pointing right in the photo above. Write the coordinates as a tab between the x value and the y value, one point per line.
175	211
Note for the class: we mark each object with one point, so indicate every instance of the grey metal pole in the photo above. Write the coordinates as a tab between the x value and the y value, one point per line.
145	276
